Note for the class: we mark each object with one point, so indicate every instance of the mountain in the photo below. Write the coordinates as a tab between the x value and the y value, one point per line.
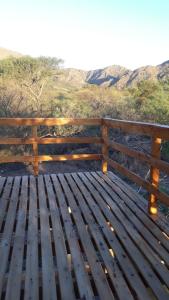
115	75
107	76
4	53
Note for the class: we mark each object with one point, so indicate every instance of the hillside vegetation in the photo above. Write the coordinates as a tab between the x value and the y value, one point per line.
40	87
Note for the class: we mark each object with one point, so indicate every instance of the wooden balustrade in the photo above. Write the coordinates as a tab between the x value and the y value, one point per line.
34	140
158	133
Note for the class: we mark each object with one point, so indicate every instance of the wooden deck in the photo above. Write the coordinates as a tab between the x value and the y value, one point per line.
80	236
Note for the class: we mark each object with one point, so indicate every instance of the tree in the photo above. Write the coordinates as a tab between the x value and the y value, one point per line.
30	74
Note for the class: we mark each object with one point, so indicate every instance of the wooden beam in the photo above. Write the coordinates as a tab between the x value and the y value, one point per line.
139	181
35	151
28	158
154	175
58	140
105	149
149	129
163	165
48	121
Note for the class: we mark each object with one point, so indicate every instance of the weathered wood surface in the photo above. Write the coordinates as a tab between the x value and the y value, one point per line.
48	121
80	236
105	149
64	157
142	128
52	140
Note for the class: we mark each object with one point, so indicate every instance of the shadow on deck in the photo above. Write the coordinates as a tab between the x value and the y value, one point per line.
80	236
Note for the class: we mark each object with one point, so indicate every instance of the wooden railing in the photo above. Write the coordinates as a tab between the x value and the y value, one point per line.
157	134
155	131
34	140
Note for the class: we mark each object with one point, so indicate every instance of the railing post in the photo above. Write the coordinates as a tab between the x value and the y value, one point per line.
154	175
104	132
35	151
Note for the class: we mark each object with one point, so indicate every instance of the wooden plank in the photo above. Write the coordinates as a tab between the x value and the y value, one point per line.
2	182
48	273
5	199
105	149
48	121
8	231
126	236
27	158
134	201
132	213
154	175
96	269
158	225
32	264
150	129
138	180
46	140
17	158
148	252
35	151
162	165
64	275
82	278
13	288
120	254
121	288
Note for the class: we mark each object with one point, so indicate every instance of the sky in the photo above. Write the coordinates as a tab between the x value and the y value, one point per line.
88	34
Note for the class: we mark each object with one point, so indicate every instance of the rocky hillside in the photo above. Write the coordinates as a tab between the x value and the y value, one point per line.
115	75
107	76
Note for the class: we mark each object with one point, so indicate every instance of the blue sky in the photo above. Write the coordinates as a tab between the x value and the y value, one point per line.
88	34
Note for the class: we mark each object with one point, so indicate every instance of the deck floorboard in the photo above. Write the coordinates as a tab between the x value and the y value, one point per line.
80	236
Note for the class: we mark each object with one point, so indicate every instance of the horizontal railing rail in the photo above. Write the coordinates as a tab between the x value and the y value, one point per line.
158	133
35	141
149	129
45	140
48	121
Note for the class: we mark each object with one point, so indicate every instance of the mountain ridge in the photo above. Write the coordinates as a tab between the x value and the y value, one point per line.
117	76
113	75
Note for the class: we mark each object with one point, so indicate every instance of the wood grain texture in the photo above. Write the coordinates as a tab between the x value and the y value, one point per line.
48	121
149	129
35	150
29	158
53	140
105	149
79	236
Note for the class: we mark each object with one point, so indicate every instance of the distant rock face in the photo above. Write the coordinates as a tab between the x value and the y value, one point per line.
107	76
115	75
5	53
132	78
163	71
